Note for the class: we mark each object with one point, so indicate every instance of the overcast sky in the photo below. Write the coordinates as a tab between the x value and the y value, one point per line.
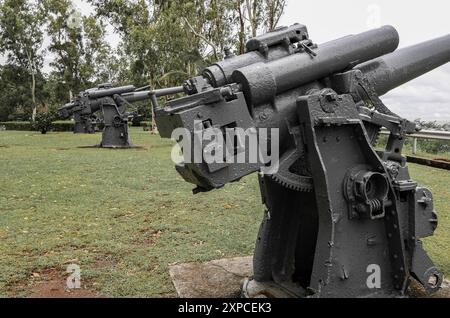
427	97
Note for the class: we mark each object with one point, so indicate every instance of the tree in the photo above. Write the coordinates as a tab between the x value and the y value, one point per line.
82	56
257	16
274	10
167	41
21	39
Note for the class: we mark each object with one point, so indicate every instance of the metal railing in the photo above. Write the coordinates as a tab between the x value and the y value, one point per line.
424	134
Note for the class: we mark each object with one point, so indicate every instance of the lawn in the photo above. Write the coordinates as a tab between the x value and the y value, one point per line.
124	215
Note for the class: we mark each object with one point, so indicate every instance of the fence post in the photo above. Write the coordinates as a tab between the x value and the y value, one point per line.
414	150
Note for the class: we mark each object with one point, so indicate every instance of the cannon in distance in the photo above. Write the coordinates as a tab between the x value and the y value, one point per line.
89	102
336	207
112	102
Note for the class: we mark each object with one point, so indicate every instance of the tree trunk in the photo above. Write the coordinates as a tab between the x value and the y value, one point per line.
154	128
33	95
275	11
242	27
251	17
33	86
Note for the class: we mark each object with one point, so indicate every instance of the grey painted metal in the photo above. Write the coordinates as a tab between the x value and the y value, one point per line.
106	99
260	49
392	70
103	91
112	102
263	81
335	207
146	94
84	123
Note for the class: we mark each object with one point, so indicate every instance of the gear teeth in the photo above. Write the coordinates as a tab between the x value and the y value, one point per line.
301	187
288	179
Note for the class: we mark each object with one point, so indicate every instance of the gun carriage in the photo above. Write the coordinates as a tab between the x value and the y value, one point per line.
337	208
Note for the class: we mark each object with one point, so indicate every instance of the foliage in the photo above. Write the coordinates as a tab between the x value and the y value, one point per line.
15	94
27	126
43	122
62	125
17	125
144	113
162	44
429	145
432	125
256	16
82	56
21	39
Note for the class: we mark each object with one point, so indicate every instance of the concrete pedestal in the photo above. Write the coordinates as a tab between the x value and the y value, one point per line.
224	278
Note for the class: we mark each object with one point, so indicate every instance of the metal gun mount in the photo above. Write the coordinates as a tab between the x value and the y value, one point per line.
84	123
112	102
338	211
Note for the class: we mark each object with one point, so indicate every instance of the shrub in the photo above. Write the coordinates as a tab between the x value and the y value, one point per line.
43	122
17	125
62	125
26	126
146	125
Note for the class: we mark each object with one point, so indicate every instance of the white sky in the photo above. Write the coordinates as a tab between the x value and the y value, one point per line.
427	97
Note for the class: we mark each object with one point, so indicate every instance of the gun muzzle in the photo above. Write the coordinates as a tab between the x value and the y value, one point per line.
394	69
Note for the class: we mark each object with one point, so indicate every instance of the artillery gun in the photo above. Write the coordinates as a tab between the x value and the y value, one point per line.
113	103
84	124
342	218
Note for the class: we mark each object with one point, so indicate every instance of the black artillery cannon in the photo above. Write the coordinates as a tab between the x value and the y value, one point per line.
343	219
113	103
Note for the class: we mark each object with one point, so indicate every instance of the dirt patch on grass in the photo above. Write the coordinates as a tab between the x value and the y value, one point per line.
52	284
148	237
108	261
136	147
56	289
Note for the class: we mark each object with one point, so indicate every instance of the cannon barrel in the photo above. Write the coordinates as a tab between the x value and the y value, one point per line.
110	91
168	91
263	48
261	82
394	69
143	95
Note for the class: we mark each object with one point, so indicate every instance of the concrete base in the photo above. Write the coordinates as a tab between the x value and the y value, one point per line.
224	278
215	279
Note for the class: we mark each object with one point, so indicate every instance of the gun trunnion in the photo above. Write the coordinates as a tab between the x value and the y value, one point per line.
336	208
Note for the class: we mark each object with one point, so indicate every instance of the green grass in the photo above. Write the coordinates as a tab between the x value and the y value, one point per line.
124	215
